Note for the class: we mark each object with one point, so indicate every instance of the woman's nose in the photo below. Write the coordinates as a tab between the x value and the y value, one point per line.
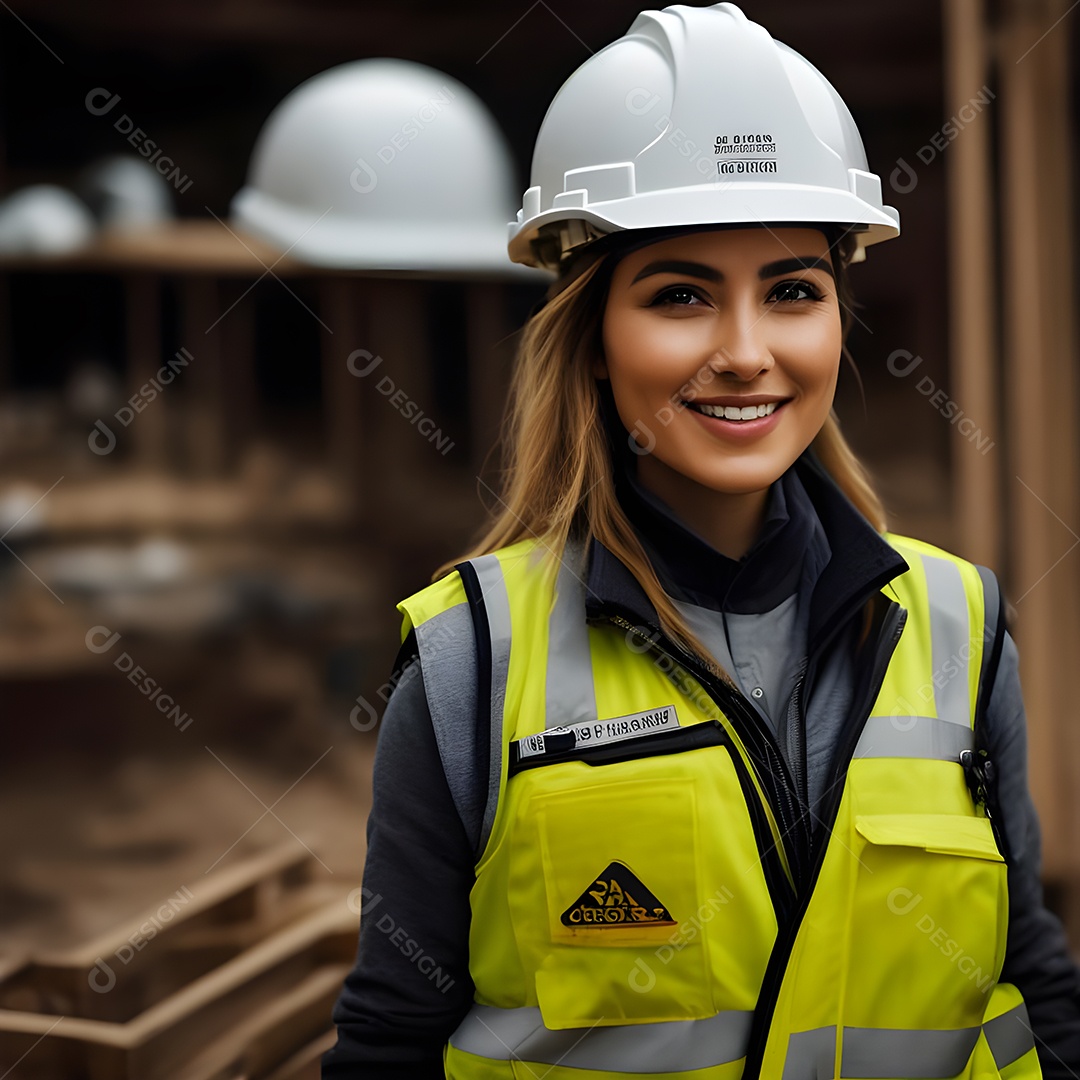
740	346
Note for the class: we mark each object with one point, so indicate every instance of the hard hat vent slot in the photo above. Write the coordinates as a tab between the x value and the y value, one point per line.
530	204
578	198
602	183
865	185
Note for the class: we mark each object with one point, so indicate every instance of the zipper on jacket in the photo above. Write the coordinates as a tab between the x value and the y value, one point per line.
795	721
776	780
890	627
772	770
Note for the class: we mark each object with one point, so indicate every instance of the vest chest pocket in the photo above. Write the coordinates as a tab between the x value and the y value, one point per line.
928	920
633	873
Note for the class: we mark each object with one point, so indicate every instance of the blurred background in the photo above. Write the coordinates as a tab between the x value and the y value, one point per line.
223	462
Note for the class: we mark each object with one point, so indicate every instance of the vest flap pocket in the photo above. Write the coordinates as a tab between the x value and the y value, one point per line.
945	834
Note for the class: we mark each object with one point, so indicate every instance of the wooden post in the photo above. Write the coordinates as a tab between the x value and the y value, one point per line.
1041	391
149	428
1052	80
340	301
207	413
240	383
7	334
973	356
404	454
490	362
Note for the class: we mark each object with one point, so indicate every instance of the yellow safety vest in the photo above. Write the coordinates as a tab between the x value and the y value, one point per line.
634	911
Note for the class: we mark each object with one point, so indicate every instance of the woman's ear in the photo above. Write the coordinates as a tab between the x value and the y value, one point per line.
599	367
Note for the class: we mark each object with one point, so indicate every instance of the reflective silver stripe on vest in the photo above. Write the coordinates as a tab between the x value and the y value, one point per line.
497	604
811	1055
950	640
880	1052
913	737
1009	1035
571	698
939	738
668	1046
877	1053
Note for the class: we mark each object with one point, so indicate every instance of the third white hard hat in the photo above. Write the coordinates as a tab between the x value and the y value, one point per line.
696	116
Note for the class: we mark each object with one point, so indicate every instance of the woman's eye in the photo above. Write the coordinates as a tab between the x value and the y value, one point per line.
679	295
795	290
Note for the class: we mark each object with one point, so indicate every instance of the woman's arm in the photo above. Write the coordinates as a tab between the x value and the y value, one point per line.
410	986
1037	958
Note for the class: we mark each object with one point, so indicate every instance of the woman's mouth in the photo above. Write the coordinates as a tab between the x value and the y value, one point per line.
733	412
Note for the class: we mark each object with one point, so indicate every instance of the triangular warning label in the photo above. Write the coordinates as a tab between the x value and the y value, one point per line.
616	898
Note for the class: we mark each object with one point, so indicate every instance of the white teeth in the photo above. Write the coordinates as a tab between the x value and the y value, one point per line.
730	412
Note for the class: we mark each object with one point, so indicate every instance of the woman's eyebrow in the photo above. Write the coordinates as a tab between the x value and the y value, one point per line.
679	266
709	273
798	262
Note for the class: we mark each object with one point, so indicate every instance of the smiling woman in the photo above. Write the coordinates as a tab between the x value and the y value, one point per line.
702	759
718	314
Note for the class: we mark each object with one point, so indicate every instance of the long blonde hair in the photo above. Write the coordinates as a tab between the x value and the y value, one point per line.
559	480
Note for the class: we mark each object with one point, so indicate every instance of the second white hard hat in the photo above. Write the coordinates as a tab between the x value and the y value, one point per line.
126	193
385	165
696	116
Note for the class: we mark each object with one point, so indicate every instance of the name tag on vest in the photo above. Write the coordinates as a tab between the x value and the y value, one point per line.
598	732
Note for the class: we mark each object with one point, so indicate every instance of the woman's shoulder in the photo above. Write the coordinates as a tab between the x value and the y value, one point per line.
913	545
933	559
424	604
948	583
530	559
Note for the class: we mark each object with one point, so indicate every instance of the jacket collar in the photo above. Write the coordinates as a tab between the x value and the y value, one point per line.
852	560
790	542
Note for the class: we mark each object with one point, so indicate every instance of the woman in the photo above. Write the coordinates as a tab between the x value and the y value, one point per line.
704	774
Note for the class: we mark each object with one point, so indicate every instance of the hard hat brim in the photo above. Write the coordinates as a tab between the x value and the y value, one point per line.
735	203
333	242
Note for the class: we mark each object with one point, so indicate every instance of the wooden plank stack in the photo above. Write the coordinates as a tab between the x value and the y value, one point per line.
236	983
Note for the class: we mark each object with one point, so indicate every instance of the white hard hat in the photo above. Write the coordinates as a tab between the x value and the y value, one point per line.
44	219
126	192
382	164
696	116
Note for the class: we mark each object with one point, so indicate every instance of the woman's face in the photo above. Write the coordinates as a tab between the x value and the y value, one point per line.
723	349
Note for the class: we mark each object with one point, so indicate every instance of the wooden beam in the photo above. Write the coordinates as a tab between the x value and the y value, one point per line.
972	261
